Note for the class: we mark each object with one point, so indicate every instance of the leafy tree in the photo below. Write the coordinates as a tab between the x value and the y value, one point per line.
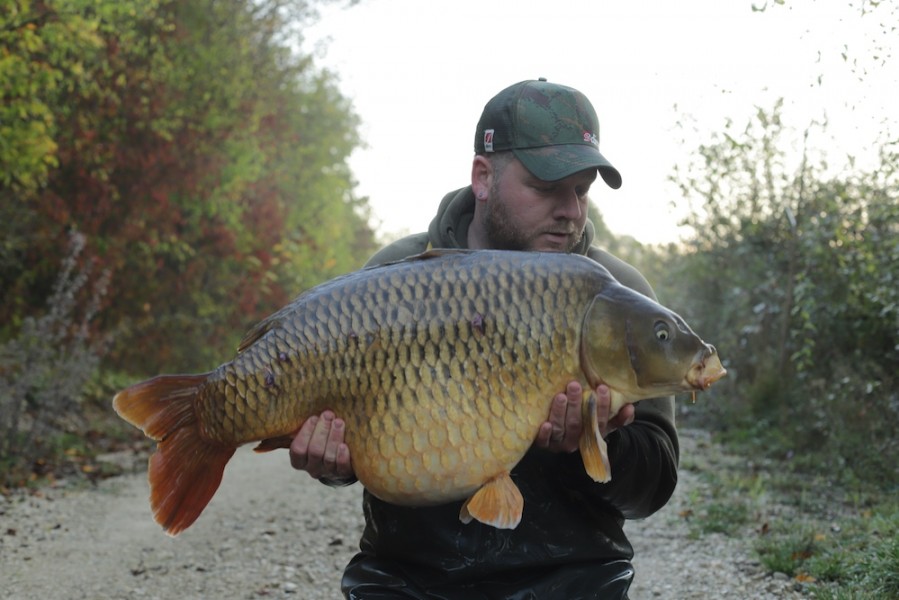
202	160
37	58
793	271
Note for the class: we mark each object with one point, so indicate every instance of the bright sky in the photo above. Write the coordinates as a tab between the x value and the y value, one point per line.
419	74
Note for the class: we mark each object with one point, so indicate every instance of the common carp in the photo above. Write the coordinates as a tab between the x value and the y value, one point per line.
443	367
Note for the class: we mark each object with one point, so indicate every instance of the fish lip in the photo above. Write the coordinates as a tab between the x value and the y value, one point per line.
703	383
706	369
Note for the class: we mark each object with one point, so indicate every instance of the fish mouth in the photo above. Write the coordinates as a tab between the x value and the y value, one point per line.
706	369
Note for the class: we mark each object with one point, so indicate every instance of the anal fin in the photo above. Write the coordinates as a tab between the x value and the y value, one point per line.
592	445
498	503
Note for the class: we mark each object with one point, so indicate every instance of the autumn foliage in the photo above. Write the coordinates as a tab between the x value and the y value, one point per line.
204	163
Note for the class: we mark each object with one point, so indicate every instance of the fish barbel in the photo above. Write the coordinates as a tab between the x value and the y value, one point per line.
443	367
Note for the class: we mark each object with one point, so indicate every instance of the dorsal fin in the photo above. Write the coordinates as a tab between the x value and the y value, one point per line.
259	330
427	254
436	252
274	321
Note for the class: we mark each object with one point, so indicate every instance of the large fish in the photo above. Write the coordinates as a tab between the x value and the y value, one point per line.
443	367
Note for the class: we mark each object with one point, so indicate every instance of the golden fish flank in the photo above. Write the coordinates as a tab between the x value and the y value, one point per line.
443	367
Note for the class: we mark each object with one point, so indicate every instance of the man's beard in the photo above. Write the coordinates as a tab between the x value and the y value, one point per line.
502	234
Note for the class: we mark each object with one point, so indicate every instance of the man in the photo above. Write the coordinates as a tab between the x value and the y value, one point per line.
536	158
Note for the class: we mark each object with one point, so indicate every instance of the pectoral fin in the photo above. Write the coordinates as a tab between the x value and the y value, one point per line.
593	447
498	503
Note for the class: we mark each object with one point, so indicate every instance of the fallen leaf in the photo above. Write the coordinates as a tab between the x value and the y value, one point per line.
802	554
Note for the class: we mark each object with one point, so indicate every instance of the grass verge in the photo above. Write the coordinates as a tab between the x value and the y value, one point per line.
839	541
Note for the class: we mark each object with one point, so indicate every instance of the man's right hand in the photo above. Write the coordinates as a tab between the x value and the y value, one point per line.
319	450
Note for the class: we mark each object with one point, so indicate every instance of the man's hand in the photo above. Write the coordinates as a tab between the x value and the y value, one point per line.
319	450
562	430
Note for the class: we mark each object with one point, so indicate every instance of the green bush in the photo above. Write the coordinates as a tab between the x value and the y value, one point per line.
794	275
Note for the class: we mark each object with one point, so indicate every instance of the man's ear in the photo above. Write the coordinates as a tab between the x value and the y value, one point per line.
481	177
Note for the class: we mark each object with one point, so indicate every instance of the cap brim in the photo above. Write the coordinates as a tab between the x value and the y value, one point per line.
552	163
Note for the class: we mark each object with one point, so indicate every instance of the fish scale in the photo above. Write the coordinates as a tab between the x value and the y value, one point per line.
443	368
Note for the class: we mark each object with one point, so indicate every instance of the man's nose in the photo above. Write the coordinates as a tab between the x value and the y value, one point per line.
568	206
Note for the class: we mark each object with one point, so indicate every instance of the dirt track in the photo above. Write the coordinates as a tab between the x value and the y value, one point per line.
273	533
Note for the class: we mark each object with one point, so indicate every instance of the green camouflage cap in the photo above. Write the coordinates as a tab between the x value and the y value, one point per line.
551	128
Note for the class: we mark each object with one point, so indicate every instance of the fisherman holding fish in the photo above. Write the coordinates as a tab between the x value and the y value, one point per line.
536	158
477	370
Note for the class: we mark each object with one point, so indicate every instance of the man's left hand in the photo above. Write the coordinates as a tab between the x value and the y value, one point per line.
561	432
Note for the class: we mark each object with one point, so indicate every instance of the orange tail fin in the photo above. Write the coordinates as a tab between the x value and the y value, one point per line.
186	470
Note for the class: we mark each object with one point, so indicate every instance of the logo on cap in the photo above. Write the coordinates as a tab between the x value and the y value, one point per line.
589	137
488	140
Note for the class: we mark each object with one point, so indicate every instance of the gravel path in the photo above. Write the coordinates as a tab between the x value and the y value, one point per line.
272	533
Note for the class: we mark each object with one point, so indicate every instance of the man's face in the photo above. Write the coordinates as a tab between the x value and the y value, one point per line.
526	213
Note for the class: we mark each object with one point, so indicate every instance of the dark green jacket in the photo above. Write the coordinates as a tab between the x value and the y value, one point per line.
567	517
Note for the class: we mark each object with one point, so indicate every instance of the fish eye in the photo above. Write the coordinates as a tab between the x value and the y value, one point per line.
663	333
